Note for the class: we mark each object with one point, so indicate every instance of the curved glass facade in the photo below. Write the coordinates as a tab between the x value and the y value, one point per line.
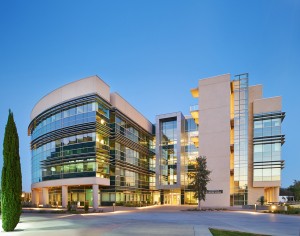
45	167
75	115
78	148
86	137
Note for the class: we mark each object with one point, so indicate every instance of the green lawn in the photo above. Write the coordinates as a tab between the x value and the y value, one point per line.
221	232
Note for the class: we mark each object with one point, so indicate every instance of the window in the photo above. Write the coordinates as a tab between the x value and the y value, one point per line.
66	113
72	111
258	124
79	110
257	148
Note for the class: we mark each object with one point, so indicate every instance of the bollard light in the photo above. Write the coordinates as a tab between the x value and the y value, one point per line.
273	208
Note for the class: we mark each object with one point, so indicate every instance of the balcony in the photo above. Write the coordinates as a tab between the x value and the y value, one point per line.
195	140
194	110
195	92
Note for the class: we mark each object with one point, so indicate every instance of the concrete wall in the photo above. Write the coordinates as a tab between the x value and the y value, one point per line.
70	91
72	182
214	135
122	105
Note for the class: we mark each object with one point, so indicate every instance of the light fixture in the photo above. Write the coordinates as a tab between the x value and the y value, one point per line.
273	208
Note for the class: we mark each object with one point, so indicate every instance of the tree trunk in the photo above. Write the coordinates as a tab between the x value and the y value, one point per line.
199	205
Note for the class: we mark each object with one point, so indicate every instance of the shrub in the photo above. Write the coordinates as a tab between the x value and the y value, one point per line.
290	211
261	200
69	206
86	206
28	204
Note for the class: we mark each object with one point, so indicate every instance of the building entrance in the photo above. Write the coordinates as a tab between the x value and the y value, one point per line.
172	199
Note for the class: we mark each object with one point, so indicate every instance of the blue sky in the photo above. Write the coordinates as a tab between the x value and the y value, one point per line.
151	52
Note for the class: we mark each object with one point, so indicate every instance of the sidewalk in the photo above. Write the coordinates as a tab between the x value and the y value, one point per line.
107	209
101	209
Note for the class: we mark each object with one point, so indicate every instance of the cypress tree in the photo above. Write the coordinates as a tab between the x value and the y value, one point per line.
11	177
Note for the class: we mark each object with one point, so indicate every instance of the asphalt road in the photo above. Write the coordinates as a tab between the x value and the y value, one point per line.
159	220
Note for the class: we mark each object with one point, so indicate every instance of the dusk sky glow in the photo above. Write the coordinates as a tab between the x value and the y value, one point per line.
151	52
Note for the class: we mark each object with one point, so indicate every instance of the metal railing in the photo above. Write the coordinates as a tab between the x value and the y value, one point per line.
194	108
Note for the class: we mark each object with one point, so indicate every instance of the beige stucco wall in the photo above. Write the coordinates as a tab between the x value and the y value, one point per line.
214	135
72	90
255	92
267	184
122	105
267	105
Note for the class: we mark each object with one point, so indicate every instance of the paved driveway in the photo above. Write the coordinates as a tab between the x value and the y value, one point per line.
159	220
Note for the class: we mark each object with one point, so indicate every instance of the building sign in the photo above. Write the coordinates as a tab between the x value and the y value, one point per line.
214	191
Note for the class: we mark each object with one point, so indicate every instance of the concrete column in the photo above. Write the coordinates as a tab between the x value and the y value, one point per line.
35	197
276	194
64	196
267	195
45	194
99	200
272	194
95	196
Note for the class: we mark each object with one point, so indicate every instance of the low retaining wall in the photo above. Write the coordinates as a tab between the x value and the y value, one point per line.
266	208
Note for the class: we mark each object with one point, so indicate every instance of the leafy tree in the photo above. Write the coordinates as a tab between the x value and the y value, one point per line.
11	184
285	192
199	179
295	189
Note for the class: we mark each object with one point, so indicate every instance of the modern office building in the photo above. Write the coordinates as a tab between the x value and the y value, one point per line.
91	145
240	134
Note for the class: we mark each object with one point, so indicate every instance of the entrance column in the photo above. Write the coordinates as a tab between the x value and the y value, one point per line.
64	196
99	196
95	196
268	195
45	194
276	194
272	194
35	197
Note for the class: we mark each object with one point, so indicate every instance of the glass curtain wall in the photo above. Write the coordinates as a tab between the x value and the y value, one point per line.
240	88
267	140
190	155
168	160
131	178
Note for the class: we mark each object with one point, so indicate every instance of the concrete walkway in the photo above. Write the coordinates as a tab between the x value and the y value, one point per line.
202	230
156	220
